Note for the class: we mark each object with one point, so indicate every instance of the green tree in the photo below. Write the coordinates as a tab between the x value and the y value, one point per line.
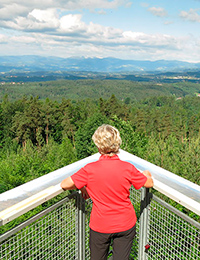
57	155
68	127
132	142
83	137
140	121
51	114
82	110
113	107
8	110
21	127
29	124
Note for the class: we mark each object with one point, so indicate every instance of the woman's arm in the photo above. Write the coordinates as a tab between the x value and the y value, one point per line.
149	182
68	184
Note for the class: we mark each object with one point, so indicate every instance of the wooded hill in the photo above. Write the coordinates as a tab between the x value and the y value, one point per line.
125	90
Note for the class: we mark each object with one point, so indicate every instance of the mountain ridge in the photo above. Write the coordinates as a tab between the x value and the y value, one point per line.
110	64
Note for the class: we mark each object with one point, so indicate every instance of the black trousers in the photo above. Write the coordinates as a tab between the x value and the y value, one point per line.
121	244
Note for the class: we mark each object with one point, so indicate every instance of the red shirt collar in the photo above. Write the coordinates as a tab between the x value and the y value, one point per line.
107	157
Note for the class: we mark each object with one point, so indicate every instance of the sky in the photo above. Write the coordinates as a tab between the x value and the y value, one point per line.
125	29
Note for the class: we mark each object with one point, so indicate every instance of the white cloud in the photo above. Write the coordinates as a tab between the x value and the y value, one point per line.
8	5
124	45
50	29
69	35
22	14
23	39
102	12
91	4
48	15
102	34
37	20
153	41
168	22
191	15
71	23
9	12
3	39
158	11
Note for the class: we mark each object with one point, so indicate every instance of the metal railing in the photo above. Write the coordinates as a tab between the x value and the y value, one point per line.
61	230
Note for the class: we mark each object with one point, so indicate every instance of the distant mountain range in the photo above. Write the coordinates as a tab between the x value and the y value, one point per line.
34	63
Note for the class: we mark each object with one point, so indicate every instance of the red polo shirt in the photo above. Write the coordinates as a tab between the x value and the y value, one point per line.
108	181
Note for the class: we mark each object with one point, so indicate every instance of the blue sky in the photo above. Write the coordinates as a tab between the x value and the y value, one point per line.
138	30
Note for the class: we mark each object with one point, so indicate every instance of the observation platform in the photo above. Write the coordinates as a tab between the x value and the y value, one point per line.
61	231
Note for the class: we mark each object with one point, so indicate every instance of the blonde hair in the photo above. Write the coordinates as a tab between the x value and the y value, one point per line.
107	139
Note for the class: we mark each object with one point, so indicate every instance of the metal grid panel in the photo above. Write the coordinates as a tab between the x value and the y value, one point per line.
135	196
88	208
55	236
50	237
170	236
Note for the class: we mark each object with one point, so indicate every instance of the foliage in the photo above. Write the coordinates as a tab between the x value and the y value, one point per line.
37	137
22	165
128	90
162	130
84	144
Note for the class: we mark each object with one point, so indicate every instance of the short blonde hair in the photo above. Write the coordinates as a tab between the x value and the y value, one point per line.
107	139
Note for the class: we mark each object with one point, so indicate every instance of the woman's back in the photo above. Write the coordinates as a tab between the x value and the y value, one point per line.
108	182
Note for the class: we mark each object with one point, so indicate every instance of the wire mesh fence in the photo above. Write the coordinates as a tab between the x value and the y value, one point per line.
171	234
88	209
54	234
135	196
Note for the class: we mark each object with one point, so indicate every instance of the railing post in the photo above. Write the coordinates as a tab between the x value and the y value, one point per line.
80	226
144	214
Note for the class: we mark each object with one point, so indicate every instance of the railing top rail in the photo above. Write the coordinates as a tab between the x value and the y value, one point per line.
19	200
173	186
23	198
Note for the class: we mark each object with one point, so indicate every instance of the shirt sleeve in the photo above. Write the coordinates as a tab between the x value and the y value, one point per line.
138	179
80	178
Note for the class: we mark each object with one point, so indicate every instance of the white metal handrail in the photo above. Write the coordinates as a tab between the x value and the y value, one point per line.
173	186
19	200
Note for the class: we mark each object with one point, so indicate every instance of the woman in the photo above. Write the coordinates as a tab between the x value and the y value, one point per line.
107	181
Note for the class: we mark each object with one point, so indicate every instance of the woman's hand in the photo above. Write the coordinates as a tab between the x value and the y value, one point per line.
84	192
149	183
147	173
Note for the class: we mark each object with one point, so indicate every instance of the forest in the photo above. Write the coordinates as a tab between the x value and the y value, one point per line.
129	91
40	136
